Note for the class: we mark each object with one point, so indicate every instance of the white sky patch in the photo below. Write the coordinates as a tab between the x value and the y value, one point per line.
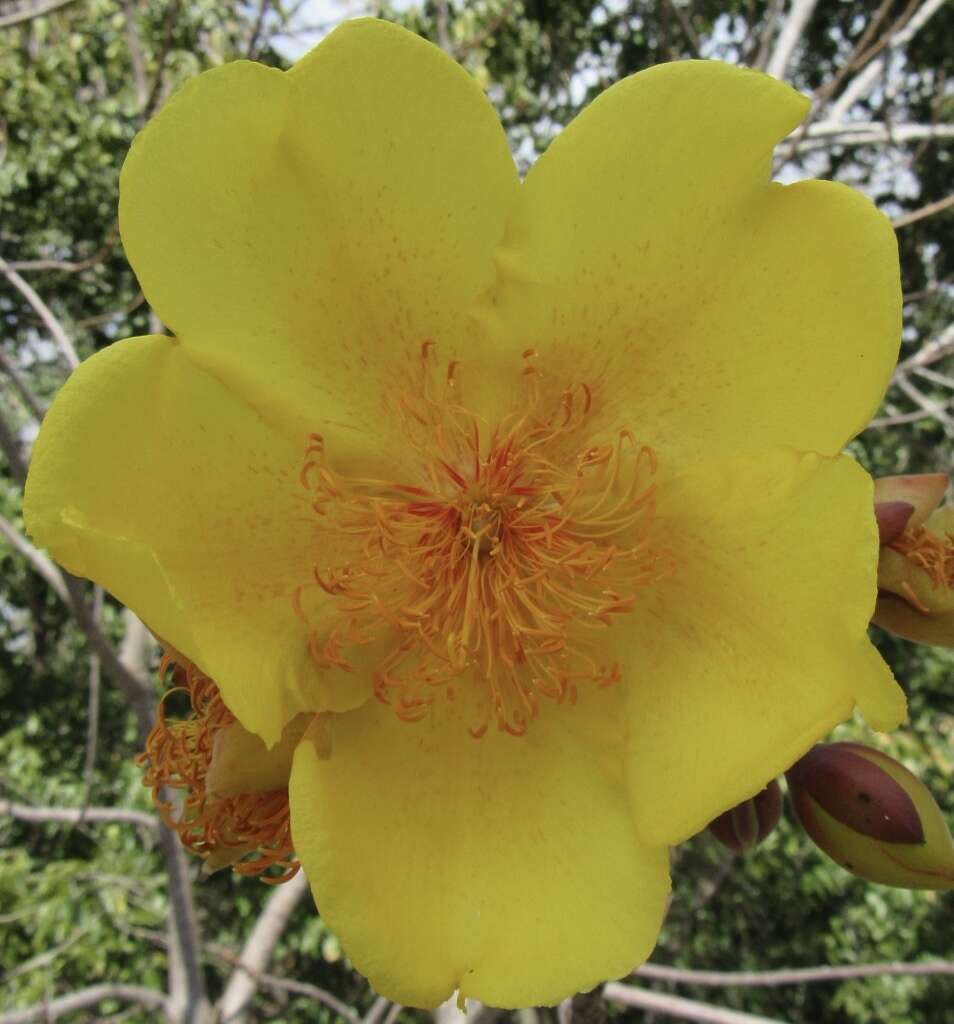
316	18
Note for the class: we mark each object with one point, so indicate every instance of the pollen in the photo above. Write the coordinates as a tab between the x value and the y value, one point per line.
929	551
492	573
249	832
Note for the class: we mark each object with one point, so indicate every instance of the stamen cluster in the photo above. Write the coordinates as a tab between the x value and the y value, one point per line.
249	832
499	566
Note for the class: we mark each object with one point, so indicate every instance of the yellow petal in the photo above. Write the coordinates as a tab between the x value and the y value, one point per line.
506	868
756	646
715	311
304	232
151	478
241	763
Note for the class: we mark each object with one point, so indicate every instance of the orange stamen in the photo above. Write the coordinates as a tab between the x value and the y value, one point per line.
501	563
929	551
250	831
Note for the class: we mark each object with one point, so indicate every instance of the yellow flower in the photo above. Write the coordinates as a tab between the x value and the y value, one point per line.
916	566
436	455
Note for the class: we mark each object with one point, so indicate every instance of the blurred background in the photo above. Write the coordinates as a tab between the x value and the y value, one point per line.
102	916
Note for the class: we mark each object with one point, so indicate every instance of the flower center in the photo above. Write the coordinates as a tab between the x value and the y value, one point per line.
929	551
248	832
495	570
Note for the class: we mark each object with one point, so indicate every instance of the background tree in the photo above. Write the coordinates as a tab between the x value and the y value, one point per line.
99	914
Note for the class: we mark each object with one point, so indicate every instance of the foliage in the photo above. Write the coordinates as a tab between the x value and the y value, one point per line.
79	904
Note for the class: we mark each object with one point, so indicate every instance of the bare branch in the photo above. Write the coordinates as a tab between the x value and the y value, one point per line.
92	705
43	959
378	1009
72	266
931	351
768	30
134	46
252	45
37	560
18	17
675	1006
11	447
795	976
869	133
924	211
78	815
692	36
92	996
798	17
23	390
859	86
299	988
52	324
937	410
258	949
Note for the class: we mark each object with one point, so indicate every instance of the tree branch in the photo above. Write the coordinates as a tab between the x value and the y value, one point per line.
798	17
859	86
77	815
18	17
794	976
257	951
675	1006
75	1001
23	390
44	312
928	210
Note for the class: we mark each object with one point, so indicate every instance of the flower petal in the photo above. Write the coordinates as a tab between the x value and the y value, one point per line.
725	312
151	478
757	646
299	230
505	868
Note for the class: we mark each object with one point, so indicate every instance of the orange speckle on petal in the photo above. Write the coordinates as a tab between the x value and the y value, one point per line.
500	565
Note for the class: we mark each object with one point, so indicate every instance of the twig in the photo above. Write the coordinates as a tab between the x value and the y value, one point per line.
870	133
925	211
378	1009
23	390
794	976
692	36
75	1001
929	405
78	815
768	30
300	988
931	351
675	1006
134	46
257	951
44	312
11	447
252	44
485	33
44	958
92	705
18	17
798	17
392	1015
858	87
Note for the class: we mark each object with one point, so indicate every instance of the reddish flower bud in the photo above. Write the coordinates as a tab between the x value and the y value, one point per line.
892	517
743	827
916	563
872	816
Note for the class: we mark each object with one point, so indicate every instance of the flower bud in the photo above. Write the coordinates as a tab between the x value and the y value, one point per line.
872	816
744	826
916	563
922	491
